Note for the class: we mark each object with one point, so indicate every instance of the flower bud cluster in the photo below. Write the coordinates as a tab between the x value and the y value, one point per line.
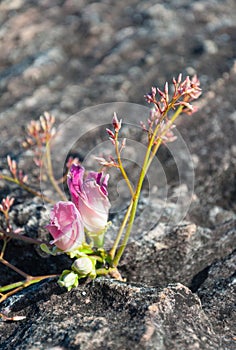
86	215
113	135
17	174
184	92
39	133
6	204
86	212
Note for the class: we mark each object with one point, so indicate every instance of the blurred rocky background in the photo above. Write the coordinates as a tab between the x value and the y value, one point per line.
64	56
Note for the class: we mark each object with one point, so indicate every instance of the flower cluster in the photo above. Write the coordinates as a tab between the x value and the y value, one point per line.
6	204
39	133
184	92
90	197
17	174
87	210
86	215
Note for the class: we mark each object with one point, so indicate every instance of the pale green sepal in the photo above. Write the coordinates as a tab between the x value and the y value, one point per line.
54	251
83	250
97	238
68	279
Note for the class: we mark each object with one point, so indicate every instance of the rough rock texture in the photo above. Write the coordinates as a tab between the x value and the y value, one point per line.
63	56
108	314
217	294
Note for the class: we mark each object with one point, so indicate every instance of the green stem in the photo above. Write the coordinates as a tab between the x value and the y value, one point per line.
50	172
7	295
157	145
135	200
147	162
122	227
112	271
134	203
97	258
102	272
127	233
11	286
18	286
122	170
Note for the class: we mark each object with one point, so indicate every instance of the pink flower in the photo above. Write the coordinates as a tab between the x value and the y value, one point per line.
90	197
66	226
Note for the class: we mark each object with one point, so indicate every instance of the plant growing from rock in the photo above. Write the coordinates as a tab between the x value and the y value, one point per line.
79	225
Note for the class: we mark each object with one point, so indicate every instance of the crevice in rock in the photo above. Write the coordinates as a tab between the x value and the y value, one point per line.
198	279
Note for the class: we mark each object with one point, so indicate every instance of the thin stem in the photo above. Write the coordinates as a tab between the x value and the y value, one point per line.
122	227
134	204
146	164
20	272
35	279
26	188
112	271
50	172
98	258
136	197
24	238
21	285
157	145
5	241
13	318
10	286
122	170
62	179
127	233
7	295
102	272
6	214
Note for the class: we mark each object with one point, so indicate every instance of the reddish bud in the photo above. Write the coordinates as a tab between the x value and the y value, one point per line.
116	123
110	133
113	141
179	78
6	204
143	126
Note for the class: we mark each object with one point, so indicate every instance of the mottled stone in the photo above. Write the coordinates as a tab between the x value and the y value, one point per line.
109	314
64	56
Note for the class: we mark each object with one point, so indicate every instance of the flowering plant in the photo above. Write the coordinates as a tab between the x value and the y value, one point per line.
79	225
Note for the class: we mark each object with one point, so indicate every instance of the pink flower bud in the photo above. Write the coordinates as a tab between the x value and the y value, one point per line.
66	226
90	197
116	123
110	133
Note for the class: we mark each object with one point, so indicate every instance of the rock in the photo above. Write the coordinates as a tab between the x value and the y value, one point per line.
109	314
217	294
65	56
170	254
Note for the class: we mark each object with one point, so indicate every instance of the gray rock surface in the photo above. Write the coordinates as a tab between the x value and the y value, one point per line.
109	314
64	56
